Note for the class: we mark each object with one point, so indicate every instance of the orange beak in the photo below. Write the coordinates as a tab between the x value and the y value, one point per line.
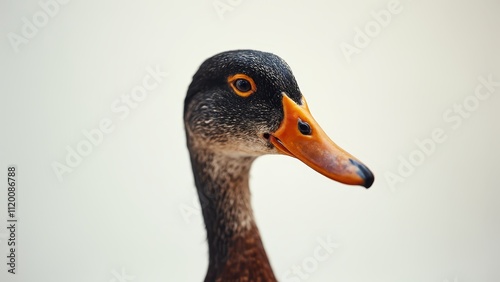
300	136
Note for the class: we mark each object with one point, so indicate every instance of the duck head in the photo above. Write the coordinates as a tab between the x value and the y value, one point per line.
248	103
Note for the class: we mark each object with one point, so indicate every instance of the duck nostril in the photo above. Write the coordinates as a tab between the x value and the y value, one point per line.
304	127
266	135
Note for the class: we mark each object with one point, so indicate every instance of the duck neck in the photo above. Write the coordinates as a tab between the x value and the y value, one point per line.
235	246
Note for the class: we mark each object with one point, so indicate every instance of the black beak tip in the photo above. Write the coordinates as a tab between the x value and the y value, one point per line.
369	180
365	173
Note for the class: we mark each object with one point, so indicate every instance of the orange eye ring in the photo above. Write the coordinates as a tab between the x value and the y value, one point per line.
242	84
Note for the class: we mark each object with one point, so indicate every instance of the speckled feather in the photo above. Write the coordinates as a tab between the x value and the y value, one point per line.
224	136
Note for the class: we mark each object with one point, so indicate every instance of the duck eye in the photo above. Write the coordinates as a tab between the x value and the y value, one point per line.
304	127
242	84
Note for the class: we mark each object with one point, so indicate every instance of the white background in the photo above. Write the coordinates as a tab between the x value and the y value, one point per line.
129	210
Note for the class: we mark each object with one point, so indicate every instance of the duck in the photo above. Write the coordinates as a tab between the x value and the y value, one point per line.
242	104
